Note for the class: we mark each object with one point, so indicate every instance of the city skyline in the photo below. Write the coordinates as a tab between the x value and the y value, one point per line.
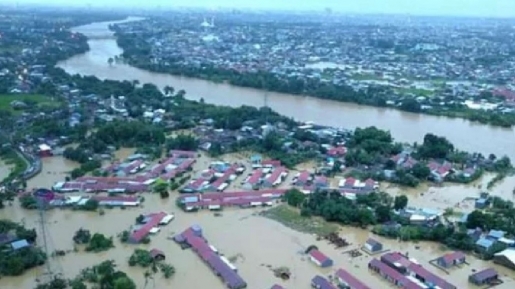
477	8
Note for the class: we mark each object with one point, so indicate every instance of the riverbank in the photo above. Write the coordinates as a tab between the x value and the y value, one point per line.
269	82
406	127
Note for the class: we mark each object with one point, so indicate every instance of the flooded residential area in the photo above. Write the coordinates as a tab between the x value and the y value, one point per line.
255	244
236	187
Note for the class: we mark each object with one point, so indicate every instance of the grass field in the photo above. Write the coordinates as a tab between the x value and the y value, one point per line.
291	218
6	99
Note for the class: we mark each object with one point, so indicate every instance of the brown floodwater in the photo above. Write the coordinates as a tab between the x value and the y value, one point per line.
55	169
405	127
257	243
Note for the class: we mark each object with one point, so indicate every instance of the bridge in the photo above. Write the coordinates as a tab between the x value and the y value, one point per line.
101	37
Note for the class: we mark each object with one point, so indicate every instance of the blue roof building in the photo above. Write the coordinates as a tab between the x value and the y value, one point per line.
16	245
484	244
256	159
495	234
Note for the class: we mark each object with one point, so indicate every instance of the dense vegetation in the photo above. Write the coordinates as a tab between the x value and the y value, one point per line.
104	275
15	262
378	209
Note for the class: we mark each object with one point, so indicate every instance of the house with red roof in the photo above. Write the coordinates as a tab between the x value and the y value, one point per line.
143	231
320	259
254	180
302	179
276	177
451	259
338	151
270	163
348	280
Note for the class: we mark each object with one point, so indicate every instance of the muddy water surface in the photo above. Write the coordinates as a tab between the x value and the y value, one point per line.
256	243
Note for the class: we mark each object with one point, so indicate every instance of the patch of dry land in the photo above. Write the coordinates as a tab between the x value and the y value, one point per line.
255	243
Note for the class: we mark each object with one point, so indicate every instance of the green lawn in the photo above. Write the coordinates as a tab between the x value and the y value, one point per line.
291	218
41	100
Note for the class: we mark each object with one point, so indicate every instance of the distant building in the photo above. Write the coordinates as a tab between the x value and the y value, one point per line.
44	150
451	259
373	246
320	259
484	277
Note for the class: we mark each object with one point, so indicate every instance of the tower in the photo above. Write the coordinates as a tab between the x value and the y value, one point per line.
52	268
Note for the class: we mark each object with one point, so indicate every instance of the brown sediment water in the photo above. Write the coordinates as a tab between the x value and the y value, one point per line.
255	242
55	169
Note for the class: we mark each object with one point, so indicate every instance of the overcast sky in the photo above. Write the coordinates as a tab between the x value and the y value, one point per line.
497	8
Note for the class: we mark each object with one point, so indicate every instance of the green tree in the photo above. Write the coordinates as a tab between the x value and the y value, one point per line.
124	283
400	202
420	171
294	197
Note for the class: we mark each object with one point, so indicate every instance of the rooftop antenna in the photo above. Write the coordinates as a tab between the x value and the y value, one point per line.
52	269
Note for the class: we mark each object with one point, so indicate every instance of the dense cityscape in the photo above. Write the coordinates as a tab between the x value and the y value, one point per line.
109	169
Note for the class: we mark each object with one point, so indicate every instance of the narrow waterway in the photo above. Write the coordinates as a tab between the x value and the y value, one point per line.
406	127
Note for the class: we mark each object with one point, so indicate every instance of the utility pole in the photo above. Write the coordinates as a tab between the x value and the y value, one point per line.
43	197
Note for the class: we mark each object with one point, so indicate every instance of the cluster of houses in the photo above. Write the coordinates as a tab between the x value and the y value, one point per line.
149	224
439	169
127	180
265	174
216	178
343	277
349	187
216	201
219	264
406	273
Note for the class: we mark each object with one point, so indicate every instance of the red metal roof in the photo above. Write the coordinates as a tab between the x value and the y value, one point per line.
275	175
317	255
350	280
142	232
255	177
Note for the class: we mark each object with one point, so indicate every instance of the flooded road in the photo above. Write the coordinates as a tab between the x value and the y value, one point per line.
406	127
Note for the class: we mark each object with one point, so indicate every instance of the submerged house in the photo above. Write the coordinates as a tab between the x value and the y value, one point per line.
373	246
451	259
320	259
484	277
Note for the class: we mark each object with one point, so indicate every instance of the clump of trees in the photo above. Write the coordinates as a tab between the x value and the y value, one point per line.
105	275
82	236
16	262
97	243
144	259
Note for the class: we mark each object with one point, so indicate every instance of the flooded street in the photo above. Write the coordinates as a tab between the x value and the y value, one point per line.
406	127
55	169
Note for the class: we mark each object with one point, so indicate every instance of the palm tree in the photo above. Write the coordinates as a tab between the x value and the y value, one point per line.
110	61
